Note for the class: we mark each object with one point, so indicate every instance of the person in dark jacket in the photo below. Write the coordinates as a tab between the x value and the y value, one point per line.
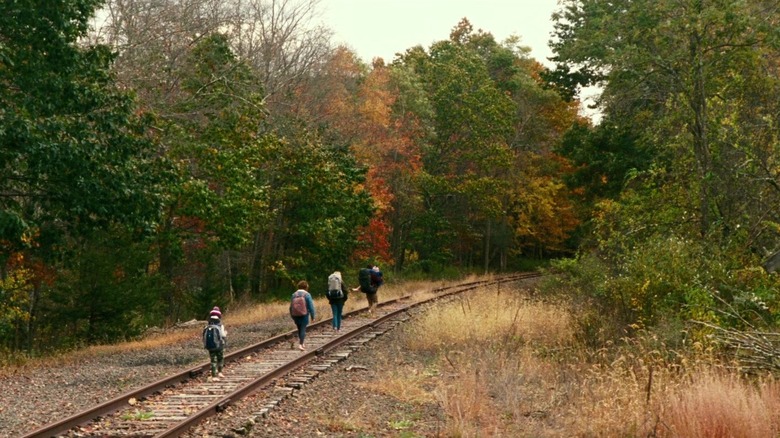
376	281
335	299
370	278
301	321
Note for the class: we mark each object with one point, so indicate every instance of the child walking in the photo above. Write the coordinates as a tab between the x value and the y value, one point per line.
214	340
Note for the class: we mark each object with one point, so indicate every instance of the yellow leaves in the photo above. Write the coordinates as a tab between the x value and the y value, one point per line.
15	290
541	211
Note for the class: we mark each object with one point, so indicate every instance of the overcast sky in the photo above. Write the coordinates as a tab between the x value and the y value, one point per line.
381	28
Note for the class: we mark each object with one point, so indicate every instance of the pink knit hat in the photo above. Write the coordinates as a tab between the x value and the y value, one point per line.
215	313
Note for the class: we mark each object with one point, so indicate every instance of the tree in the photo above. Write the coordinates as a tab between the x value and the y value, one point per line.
236	114
74	154
493	123
399	152
285	46
677	60
604	157
685	85
212	136
465	162
278	40
318	200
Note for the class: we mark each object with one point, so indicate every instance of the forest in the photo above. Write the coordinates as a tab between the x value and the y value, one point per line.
159	158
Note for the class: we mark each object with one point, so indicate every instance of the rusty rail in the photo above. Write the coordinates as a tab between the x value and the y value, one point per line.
396	305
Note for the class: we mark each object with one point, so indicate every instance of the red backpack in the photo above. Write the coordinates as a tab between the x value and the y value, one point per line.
298	304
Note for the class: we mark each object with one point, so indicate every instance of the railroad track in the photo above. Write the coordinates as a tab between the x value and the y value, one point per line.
171	406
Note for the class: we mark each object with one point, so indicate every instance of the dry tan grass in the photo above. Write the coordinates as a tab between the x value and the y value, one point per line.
697	398
492	318
405	384
353	419
509	367
158	338
256	313
483	364
716	404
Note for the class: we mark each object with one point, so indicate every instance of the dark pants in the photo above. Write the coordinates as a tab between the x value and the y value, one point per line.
217	361
372	301
301	322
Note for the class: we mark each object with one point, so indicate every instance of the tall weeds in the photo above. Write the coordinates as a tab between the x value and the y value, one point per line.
506	365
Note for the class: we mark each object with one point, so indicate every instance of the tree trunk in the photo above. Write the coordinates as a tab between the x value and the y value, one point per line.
231	290
29	341
255	265
487	246
698	101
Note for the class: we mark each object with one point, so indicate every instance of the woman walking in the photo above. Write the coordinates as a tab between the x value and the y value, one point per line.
301	307
337	296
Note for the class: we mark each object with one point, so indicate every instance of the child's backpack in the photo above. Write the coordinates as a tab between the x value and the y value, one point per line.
364	278
334	287
212	341
298	304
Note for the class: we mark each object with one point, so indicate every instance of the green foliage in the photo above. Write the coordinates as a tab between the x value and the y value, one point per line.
320	203
631	284
103	294
678	237
125	213
75	161
220	199
218	149
15	292
565	82
71	147
431	270
604	157
465	165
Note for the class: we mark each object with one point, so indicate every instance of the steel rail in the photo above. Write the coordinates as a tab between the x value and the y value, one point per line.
213	408
251	387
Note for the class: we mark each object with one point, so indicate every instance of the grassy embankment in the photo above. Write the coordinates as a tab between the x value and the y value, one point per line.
508	365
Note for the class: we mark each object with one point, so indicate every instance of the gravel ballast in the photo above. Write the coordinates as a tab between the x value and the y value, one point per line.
35	396
340	402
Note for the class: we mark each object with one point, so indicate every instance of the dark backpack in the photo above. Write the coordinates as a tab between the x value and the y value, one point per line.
212	341
334	288
298	304
364	278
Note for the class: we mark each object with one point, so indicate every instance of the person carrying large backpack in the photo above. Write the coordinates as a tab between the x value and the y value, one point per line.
370	278
215	340
301	308
337	295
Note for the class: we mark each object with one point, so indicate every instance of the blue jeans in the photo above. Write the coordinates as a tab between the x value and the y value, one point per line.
338	310
301	322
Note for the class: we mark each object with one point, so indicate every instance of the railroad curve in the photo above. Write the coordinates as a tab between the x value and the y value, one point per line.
173	405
